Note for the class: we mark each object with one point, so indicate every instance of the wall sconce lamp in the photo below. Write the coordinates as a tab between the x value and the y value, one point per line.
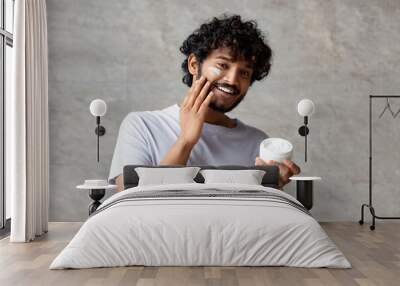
98	108
305	108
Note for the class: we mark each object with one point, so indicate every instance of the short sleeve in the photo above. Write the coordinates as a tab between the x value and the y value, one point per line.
131	147
258	138
257	135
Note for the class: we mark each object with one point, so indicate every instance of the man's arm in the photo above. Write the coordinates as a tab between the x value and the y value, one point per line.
286	169
131	148
120	183
191	119
178	154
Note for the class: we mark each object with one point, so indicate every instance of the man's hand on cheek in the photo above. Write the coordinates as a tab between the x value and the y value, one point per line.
193	110
286	169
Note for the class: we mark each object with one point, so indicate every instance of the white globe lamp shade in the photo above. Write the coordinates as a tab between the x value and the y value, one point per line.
98	107
305	107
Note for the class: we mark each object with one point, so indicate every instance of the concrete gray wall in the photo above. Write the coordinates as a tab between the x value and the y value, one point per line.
333	52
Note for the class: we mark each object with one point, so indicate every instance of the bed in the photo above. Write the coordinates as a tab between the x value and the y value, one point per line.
199	224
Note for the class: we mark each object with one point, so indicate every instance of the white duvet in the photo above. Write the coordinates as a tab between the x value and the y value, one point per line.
182	231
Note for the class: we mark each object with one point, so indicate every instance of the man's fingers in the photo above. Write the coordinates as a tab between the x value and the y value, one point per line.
185	99
284	175
271	162
259	161
200	98
206	102
194	80
292	166
285	172
286	169
195	92
189	92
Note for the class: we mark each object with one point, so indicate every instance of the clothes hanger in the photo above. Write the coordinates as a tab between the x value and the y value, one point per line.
388	107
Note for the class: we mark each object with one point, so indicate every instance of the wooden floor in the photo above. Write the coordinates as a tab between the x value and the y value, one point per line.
375	256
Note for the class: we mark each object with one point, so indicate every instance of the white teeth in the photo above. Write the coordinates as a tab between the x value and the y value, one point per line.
225	90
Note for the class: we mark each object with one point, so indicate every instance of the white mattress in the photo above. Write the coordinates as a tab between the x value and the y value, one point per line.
183	231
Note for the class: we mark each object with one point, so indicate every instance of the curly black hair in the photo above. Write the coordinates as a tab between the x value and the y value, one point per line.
243	38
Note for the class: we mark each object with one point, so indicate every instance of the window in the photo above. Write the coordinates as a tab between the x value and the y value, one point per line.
6	61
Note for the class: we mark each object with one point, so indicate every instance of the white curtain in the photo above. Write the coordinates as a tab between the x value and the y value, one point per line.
27	128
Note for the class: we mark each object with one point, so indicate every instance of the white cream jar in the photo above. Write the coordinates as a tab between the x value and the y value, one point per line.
276	149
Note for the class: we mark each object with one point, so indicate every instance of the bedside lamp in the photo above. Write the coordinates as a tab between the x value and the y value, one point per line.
304	184
98	108
305	108
97	188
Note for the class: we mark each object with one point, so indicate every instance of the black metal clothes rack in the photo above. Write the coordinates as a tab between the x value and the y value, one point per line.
369	205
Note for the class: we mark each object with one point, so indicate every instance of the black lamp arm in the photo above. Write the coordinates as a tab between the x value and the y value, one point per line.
100	131
303	131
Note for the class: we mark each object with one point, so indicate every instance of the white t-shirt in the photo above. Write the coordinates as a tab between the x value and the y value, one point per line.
145	137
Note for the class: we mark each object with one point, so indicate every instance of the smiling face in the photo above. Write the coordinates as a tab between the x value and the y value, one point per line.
230	75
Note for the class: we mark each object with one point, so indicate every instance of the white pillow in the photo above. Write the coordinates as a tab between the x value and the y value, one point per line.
249	176
162	176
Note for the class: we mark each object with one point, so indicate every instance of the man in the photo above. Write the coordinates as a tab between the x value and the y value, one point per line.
223	59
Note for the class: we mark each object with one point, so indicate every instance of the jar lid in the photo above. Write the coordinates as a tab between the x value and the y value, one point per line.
277	146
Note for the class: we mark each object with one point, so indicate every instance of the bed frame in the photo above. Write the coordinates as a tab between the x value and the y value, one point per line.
270	178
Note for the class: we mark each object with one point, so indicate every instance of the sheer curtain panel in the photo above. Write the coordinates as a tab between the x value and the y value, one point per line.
27	124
